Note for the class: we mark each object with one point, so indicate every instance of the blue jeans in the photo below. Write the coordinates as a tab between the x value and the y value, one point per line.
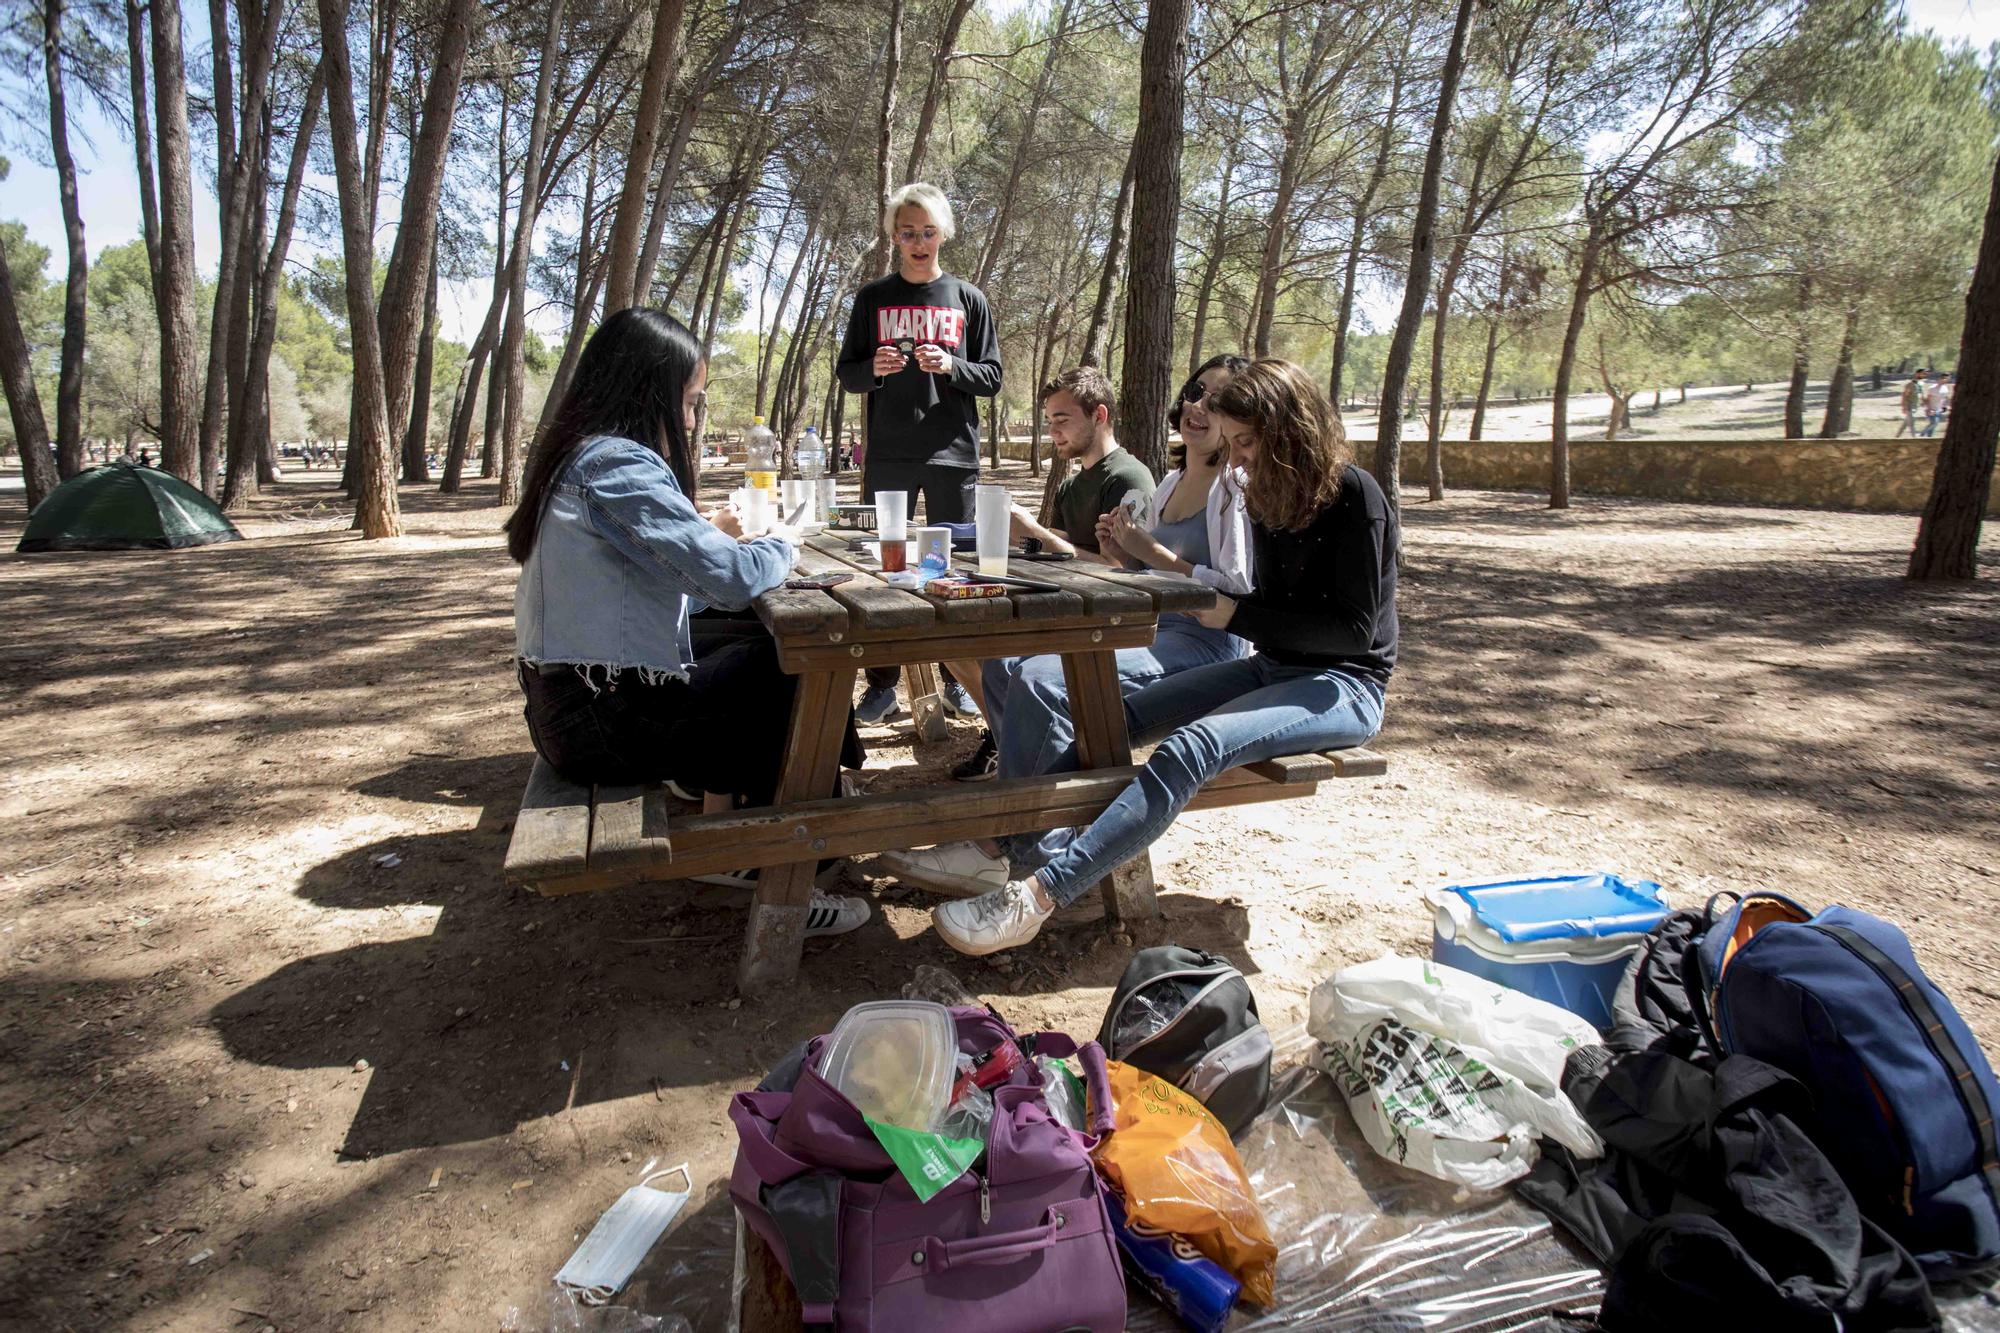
1027	698
1213	718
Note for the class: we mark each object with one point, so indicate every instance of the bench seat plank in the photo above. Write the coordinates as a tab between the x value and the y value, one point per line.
552	832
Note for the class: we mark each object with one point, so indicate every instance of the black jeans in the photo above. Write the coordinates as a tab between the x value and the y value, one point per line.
721	730
948	495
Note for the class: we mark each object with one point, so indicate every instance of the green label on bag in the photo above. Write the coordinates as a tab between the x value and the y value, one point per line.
928	1161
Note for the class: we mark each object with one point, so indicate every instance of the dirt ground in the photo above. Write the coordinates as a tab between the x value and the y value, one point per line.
279	1051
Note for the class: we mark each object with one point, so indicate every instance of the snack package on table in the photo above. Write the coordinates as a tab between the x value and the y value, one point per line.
1173	1165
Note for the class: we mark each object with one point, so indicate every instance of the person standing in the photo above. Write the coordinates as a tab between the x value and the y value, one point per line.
1934	400
1913	397
921	346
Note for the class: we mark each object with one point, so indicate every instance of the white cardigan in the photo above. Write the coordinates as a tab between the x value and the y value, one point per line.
1228	528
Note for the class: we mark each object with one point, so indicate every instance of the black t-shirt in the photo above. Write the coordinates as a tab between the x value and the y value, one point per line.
1326	596
1084	497
913	415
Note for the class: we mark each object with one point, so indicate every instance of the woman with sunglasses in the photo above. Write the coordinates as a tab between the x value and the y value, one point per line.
1322	622
614	556
1194	524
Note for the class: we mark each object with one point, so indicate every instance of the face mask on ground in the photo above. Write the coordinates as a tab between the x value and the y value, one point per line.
611	1253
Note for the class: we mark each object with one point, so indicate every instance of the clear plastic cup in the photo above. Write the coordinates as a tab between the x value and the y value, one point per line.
992	523
892	525
756	511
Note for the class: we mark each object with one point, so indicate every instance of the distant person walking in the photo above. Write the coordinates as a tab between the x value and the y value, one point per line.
1936	398
1912	399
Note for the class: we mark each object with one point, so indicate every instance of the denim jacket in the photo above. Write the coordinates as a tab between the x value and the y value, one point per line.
620	555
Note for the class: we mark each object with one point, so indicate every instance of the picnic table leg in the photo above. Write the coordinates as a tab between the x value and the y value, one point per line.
926	708
1097	706
776	932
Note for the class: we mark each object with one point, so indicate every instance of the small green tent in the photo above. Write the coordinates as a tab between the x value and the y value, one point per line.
125	507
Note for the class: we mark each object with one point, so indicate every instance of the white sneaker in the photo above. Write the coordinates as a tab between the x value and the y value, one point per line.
949	867
834	914
1003	919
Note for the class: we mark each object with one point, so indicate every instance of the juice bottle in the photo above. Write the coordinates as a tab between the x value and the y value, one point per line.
760	458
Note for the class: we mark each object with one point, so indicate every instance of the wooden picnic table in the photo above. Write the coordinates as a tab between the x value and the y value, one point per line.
569	839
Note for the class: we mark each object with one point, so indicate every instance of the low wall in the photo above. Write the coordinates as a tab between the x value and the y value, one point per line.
1885	476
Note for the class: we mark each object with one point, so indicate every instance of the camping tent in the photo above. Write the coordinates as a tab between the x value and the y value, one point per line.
125	507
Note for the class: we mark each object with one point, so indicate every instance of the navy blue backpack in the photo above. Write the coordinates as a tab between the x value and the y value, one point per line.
1904	1099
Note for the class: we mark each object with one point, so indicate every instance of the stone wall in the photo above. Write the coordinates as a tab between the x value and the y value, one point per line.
1887	476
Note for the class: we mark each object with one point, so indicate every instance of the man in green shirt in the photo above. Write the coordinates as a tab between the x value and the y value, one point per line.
1076	407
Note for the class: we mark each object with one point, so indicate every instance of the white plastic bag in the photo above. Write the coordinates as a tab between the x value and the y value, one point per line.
1448	1073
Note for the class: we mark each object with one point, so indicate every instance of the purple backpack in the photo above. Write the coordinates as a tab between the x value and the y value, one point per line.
1019	1244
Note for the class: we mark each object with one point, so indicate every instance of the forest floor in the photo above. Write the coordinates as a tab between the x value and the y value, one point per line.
278	1051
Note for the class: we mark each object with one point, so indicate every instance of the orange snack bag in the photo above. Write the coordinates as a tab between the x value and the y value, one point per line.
1173	1164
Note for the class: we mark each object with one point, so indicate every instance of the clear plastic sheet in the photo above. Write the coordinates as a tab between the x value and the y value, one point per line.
565	1313
1148	1010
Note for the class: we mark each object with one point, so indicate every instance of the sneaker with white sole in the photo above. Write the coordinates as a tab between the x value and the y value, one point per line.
1004	919
834	914
956	700
681	793
878	704
951	867
983	764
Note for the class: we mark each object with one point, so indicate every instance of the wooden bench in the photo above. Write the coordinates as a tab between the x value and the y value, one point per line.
570	839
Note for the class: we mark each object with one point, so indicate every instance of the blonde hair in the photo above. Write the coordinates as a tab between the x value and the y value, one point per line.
930	198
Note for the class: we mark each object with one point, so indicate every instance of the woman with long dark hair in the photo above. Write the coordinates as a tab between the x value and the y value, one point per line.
1322	622
614	558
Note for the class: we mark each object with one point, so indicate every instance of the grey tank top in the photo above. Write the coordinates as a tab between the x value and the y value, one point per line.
1187	539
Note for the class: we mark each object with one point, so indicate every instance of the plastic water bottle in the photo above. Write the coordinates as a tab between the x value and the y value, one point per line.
812	467
760	458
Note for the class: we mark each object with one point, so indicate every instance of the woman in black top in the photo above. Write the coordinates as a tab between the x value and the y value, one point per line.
1322	621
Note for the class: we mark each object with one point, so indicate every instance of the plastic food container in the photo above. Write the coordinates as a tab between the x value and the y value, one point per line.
1566	939
895	1060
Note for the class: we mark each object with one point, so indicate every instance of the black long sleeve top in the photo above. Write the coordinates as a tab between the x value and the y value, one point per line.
1326	595
913	415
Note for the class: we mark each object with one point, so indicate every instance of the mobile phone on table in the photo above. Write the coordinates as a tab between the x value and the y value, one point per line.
817	582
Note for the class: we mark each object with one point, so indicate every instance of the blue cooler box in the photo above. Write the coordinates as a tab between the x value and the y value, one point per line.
1565	939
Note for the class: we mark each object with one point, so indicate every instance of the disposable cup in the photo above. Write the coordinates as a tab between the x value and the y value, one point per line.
791	494
992	525
934	548
892	515
757	511
824	501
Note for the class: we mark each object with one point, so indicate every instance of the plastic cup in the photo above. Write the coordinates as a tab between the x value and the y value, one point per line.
825	500
934	550
992	524
892	515
757	511
793	493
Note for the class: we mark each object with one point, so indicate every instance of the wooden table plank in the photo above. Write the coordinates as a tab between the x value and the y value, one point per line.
1170	592
552	832
1097	596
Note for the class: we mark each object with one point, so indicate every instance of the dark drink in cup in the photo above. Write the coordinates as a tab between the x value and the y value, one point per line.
895	556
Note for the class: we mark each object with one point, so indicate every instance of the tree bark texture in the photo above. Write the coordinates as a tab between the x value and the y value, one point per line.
1840	393
416	440
1146	384
1795	390
368	443
1417	283
142	134
1579	305
76	289
628	228
511	365
1948	536
24	401
1096	340
1485	379
174	291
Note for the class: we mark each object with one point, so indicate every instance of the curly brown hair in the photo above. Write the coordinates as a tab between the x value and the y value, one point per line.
1301	448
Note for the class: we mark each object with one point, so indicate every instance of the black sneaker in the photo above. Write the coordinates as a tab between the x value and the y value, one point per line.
984	763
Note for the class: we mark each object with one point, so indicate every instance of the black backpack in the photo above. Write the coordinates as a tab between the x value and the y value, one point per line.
1189	1018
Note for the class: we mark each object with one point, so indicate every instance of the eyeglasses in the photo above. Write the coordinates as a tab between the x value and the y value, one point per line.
910	236
1195	392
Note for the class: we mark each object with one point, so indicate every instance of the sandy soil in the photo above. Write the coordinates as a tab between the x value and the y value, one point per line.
279	1051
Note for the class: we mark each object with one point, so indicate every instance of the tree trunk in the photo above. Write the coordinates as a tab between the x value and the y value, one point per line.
1621	413
381	72
264	332
1795	391
621	258
174	289
884	254
1376	175
1586	277
142	135
416	443
656	226
1416	284
368	442
24	401
511	364
590	278
69	379
467	396
1094	342
1948	537
1145	385
934	90
1278	226
1485	379
410	261
1218	239
1840	393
